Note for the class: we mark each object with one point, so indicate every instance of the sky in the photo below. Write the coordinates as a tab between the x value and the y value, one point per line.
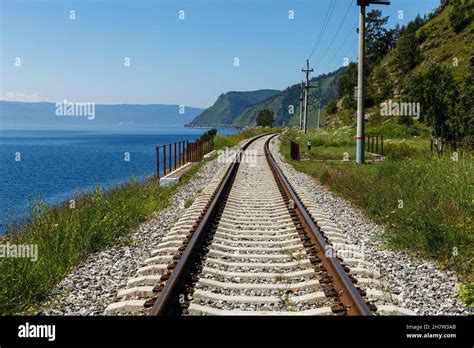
171	51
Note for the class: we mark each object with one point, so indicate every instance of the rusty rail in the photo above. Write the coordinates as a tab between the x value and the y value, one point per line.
168	294
349	295
178	278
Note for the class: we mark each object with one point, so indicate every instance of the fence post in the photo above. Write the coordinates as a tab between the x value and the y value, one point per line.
164	160
170	166
158	163
377	144
381	145
175	156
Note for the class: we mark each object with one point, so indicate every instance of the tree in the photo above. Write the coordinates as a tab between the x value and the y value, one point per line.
463	123
331	107
379	39
461	15
265	118
348	80
437	93
407	52
210	133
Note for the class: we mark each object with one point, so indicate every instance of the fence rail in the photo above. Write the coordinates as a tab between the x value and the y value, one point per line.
372	144
178	154
295	151
451	145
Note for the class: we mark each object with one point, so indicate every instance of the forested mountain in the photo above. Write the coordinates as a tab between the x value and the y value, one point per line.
429	61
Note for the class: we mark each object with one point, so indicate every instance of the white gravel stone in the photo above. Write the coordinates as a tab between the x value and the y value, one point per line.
421	285
94	284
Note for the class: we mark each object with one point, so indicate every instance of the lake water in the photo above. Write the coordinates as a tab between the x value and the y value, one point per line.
57	164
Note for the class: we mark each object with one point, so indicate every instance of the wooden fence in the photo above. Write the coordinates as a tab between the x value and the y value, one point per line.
372	144
178	154
451	146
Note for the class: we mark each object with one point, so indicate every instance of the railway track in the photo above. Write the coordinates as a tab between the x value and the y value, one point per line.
253	245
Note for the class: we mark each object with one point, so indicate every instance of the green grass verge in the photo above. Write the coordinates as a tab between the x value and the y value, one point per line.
221	142
65	236
425	203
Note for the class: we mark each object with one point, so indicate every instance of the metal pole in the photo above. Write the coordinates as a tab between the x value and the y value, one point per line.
360	89
171	168
175	156
187	150
158	163
164	159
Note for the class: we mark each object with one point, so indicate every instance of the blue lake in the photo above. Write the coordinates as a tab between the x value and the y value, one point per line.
57	164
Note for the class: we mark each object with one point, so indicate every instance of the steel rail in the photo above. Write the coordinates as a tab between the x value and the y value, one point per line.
349	295
164	301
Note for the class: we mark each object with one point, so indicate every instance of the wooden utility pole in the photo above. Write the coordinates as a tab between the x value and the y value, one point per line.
301	104
306	89
319	112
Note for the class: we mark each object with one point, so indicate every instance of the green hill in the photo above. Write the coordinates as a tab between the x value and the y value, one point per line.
429	63
240	109
228	106
286	105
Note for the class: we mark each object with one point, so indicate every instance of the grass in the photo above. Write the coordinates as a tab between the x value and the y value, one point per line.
65	236
221	142
425	203
188	203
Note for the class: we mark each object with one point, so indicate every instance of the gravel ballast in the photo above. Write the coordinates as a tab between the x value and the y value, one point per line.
93	285
421	285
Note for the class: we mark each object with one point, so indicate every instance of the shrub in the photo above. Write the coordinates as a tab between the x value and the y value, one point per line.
265	118
461	15
331	107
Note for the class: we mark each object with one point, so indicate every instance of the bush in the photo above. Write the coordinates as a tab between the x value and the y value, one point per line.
397	151
437	93
461	15
265	118
331	107
407	52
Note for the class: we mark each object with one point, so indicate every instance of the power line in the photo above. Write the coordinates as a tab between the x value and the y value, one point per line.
343	43
332	5
338	29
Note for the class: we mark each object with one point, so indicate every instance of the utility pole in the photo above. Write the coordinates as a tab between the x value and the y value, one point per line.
301	104
360	79
306	89
360	88
319	112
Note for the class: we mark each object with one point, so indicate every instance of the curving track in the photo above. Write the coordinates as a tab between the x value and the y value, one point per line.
249	246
